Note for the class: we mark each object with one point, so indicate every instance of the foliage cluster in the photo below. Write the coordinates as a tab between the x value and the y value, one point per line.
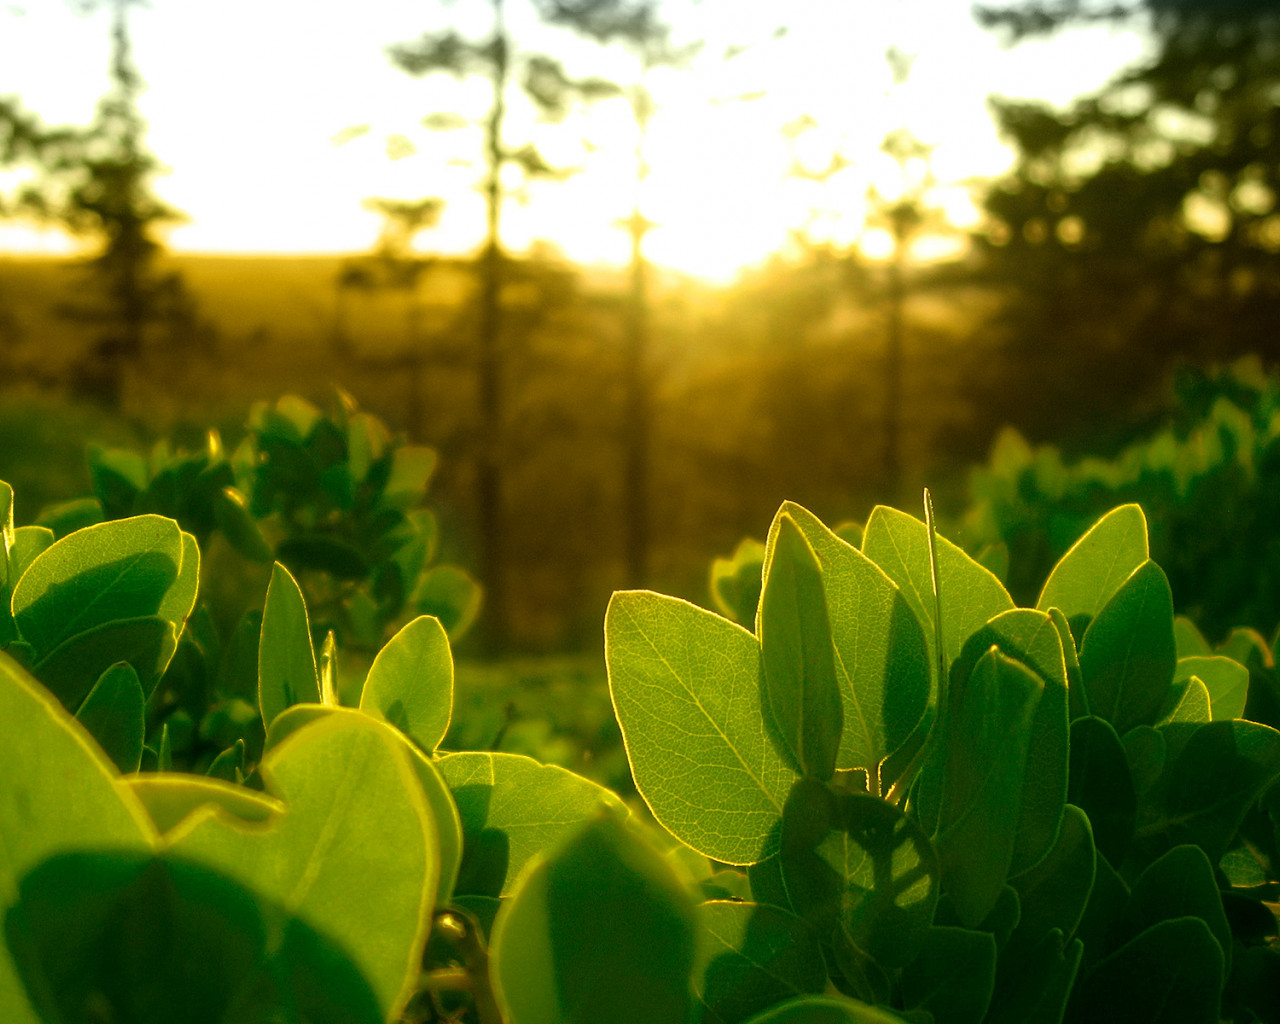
1209	482
899	798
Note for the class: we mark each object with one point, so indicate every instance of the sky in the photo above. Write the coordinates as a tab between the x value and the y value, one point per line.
248	102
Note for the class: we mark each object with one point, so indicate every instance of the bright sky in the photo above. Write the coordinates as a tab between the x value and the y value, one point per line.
246	96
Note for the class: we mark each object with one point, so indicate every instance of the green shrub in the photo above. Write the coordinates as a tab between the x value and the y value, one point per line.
899	798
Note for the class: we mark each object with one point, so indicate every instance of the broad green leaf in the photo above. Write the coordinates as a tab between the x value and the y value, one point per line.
598	929
882	660
125	936
1106	903
67	517
826	1010
751	956
1096	566
1101	786
1030	637
1223	768
1189	640
367	439
71	668
1055	892
58	793
170	798
971	595
1226	680
736	582
799	693
117	476
1147	752
954	975
439	799
511	808
1194	706
855	866
411	683
116	570
686	689
1127	656
287	671
1170	974
1033	983
1179	884
319	553
114	712
179	602
411	470
987	738
354	857
1247	647
29	542
1077	699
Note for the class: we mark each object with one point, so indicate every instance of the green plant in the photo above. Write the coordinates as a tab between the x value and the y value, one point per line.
1209	482
900	799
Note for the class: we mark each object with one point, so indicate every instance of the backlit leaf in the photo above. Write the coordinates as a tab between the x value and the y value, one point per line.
598	929
686	689
287	671
115	713
799	693
411	682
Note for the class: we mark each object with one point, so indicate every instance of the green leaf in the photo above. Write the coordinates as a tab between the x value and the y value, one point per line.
599	929
881	658
1194	706
1127	656
1030	637
799	693
1055	892
971	595
354	857
1106	903
115	713
287	671
1101	785
58	793
736	582
180	601
411	470
1097	565
1147	752
511	808
411	683
29	542
444	811
1170	974
67	517
1189	640
229	766
116	570
751	956
856	866
1077	698
1222	770
71	669
169	799
6	531
826	1010
451	595
987	739
1179	884
1034	982
686	689
1226	681
319	553
954	975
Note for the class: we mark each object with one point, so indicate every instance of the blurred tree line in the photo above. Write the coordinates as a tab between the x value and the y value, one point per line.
1138	227
603	436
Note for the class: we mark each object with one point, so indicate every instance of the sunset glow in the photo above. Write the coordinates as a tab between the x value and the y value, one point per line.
246	97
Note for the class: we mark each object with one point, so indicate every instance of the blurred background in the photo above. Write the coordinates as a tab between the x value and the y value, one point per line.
640	270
